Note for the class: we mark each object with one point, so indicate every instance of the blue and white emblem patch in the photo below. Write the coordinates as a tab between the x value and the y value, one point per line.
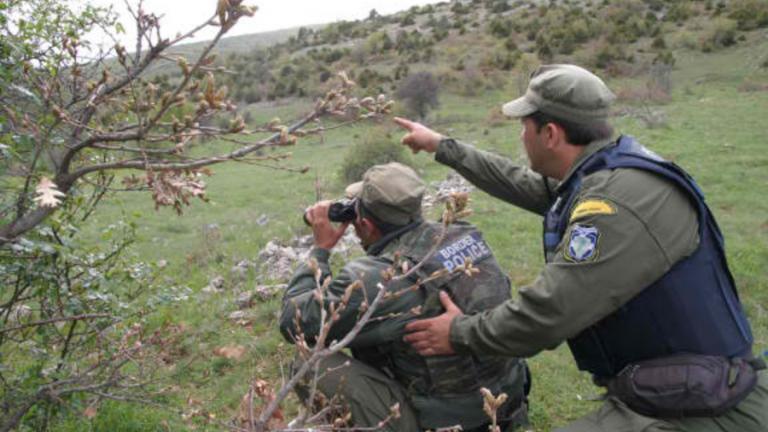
582	244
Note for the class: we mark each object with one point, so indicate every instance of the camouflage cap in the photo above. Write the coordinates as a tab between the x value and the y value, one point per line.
392	192
565	91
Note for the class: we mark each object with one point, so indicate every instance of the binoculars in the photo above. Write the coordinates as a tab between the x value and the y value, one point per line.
343	210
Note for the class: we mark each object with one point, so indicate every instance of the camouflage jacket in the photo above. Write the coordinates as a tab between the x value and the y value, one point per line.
444	391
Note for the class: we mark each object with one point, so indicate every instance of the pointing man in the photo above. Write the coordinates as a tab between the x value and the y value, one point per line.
635	279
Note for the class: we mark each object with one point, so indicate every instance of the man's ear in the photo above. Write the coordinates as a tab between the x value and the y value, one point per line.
554	135
369	228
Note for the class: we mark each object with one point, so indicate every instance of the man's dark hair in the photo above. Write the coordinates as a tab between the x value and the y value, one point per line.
384	227
576	133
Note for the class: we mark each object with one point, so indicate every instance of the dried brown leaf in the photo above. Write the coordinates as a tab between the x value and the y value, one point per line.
232	352
91	411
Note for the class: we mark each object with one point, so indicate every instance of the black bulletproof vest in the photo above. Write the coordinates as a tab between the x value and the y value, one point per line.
693	308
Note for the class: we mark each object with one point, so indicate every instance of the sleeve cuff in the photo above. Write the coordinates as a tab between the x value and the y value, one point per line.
320	254
458	337
448	151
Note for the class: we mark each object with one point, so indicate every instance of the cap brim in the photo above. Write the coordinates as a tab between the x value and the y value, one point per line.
354	190
518	108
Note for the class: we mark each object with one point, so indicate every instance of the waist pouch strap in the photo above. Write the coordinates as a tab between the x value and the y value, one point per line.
757	363
685	385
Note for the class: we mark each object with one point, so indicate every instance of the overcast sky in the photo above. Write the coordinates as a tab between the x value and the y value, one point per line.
181	15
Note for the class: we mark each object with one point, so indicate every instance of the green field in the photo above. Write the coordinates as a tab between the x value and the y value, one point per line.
714	129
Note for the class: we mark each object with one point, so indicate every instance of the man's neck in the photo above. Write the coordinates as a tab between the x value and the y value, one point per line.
568	156
584	153
378	246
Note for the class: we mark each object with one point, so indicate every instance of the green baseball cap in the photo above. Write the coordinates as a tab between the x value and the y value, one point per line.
565	91
392	192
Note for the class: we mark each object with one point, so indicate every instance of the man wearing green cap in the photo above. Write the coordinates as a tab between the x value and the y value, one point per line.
636	279
432	393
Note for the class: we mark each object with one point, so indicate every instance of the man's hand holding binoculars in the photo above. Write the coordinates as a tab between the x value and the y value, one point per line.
325	232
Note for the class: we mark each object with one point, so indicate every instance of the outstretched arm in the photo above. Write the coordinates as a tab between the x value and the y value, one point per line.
494	174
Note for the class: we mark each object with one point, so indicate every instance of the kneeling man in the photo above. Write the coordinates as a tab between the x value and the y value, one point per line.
433	392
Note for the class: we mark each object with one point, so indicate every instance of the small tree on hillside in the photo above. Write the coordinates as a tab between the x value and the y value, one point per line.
72	119
376	147
419	91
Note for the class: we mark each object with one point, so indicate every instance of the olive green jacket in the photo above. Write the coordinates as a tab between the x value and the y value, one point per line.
651	226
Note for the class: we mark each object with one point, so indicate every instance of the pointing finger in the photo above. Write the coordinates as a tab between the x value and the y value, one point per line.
404	123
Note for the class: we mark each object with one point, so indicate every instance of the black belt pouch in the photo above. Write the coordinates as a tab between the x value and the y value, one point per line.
684	385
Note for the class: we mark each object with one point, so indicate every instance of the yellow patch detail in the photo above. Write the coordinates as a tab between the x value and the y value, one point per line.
592	207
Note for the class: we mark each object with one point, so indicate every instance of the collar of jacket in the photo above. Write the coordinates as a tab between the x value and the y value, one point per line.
377	247
589	150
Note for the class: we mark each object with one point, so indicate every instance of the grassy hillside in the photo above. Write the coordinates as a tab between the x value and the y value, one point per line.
470	45
708	118
712	128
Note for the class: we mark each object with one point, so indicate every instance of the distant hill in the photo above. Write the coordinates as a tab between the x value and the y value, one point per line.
248	42
475	45
241	44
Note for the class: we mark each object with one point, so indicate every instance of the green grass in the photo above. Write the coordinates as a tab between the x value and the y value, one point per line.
117	417
714	131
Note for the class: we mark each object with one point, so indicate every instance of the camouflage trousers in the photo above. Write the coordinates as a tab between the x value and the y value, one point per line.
369	394
365	391
751	415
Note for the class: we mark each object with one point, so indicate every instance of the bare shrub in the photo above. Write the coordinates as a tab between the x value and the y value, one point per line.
684	39
208	247
659	83
749	86
495	118
525	67
470	82
420	93
720	33
377	147
652	118
645	100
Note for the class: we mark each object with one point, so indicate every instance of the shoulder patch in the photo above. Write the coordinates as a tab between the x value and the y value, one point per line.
591	207
471	247
582	244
